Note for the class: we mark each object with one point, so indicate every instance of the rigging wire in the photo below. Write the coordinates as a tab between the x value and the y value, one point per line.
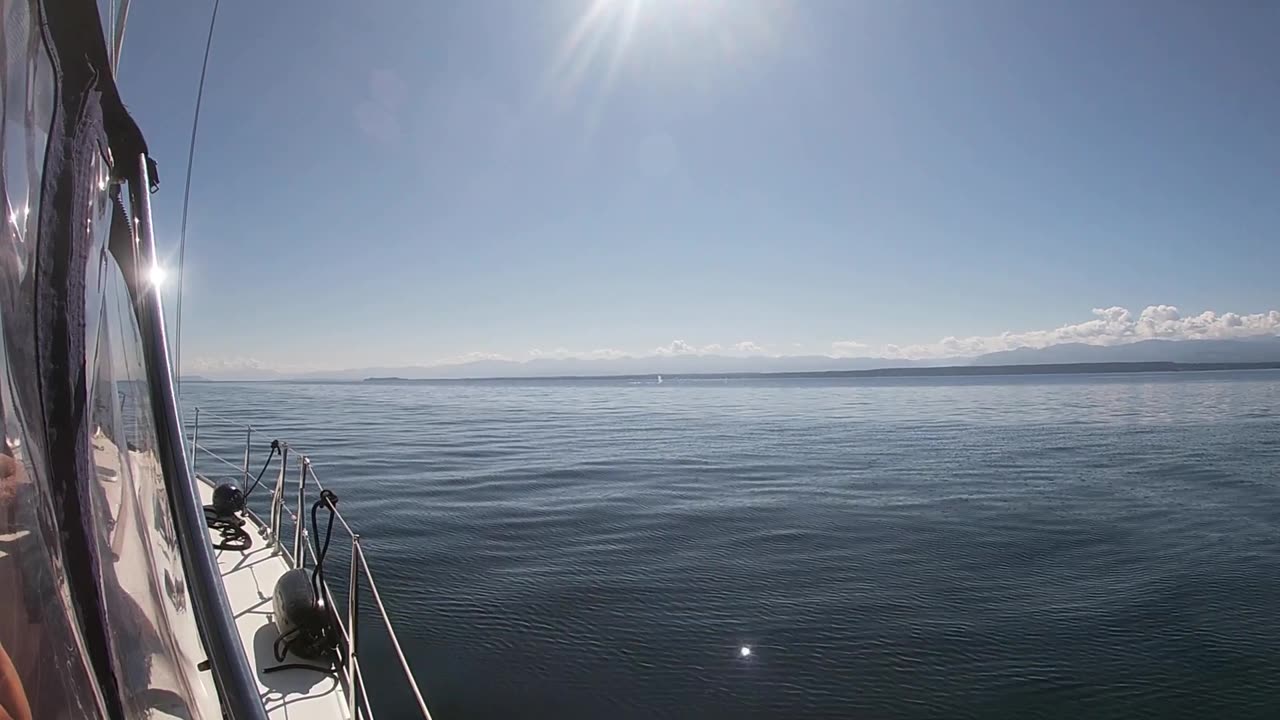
186	202
120	17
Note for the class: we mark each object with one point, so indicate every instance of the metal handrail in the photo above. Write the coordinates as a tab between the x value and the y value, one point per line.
224	418
219	458
350	669
236	686
338	515
395	642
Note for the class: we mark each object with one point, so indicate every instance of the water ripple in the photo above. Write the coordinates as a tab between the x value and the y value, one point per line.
913	548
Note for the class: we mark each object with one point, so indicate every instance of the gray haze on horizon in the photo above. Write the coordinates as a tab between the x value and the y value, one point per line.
1253	349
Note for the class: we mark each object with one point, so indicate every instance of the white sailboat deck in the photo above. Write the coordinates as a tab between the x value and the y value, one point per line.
250	578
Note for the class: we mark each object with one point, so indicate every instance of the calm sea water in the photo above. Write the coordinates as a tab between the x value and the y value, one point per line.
1049	547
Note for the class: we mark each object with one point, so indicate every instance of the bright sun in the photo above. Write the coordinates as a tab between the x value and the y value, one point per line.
675	38
157	275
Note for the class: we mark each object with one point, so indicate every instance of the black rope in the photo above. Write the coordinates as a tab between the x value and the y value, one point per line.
322	639
280	647
328	499
230	528
319	640
333	671
275	448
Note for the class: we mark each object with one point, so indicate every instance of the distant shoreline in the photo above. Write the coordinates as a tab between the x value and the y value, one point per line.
948	371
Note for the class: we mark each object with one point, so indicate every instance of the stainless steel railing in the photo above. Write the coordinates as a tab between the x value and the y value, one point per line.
299	549
133	251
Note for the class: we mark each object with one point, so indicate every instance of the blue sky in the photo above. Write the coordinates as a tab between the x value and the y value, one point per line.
396	183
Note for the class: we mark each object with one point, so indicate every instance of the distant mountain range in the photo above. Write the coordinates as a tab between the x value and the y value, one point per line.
1254	350
1109	368
652	365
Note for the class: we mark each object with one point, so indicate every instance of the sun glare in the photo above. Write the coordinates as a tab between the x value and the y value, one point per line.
157	275
675	39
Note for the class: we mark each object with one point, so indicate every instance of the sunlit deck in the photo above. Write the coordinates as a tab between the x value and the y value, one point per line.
250	578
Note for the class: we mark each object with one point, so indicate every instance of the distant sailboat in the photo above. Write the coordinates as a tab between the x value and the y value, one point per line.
659	379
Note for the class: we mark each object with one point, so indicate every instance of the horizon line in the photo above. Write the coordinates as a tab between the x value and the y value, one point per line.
1072	368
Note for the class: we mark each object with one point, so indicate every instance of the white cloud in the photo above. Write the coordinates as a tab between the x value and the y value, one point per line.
563	353
680	347
219	365
677	347
475	357
1109	326
849	348
237	368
